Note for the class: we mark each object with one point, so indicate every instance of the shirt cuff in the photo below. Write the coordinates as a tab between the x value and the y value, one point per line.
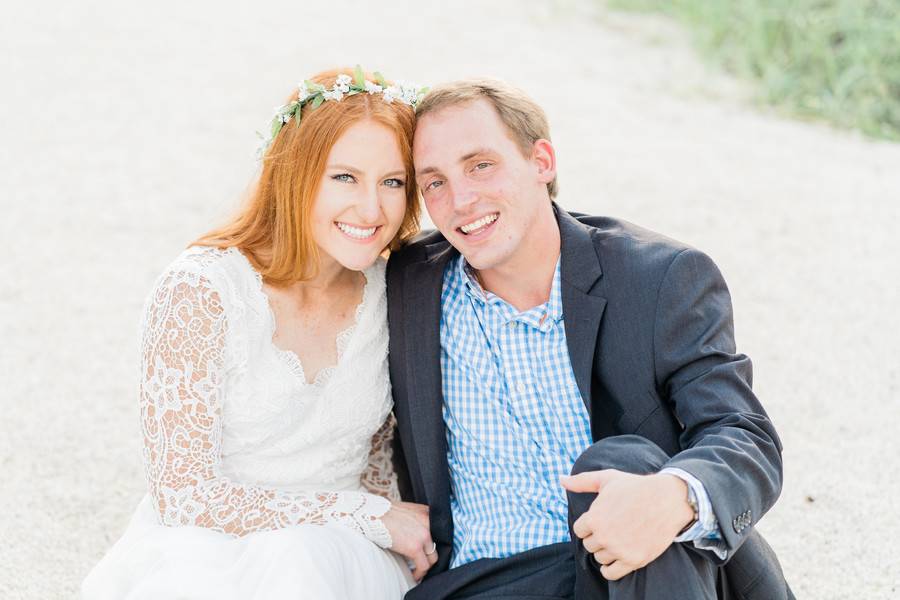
705	532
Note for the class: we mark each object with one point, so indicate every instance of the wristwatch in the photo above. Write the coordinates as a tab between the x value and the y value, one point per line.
692	502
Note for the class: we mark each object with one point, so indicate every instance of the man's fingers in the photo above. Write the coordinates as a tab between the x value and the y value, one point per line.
604	557
589	481
582	527
591	543
615	571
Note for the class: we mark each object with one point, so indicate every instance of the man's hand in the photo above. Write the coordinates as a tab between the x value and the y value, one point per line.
633	519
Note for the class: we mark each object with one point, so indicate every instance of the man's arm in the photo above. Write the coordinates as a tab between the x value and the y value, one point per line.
729	444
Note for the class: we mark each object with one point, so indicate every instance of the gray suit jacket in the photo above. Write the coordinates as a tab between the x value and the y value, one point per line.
649	330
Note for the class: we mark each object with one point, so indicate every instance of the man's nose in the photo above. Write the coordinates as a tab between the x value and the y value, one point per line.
463	197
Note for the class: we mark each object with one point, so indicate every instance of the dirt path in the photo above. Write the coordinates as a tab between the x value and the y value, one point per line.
129	130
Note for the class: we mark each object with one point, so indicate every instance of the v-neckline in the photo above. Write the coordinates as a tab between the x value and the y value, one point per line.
289	358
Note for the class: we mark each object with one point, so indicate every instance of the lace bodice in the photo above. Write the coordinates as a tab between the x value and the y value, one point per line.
235	439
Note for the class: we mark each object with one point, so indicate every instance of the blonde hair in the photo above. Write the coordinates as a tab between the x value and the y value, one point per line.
523	117
273	228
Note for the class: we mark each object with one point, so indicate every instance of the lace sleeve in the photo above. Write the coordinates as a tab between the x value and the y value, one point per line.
379	476
182	386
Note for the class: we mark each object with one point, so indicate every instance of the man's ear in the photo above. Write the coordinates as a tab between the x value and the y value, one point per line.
544	157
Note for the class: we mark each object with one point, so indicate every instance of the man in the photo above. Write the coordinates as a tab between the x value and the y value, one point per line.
528	343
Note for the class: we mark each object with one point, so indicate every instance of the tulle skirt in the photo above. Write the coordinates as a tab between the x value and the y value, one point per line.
330	562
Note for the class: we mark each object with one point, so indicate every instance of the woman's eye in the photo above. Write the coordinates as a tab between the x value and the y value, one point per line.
344	177
394	182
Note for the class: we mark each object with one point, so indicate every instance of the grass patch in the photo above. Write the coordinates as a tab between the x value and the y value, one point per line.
833	59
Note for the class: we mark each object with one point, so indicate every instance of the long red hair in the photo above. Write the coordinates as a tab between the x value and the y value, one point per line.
273	228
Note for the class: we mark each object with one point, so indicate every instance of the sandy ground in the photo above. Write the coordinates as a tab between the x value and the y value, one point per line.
129	128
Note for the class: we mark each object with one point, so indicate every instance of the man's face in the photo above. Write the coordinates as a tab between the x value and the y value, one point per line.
479	189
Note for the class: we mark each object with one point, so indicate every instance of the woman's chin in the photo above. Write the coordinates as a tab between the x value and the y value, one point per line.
358	261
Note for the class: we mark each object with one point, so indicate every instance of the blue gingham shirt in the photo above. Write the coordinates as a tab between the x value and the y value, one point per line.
516	422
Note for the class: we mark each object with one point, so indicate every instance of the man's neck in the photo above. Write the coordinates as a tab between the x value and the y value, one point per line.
525	281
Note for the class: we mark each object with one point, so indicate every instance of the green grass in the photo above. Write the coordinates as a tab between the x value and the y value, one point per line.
833	59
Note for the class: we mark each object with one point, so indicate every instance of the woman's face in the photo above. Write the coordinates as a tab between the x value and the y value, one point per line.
362	196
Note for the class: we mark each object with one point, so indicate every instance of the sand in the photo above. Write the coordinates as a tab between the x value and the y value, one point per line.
128	129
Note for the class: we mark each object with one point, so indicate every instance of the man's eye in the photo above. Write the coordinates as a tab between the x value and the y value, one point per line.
394	182
482	165
344	177
434	184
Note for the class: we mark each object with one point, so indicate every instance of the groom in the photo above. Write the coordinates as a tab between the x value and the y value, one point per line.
569	398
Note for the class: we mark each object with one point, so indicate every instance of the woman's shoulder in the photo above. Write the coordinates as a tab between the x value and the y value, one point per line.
202	265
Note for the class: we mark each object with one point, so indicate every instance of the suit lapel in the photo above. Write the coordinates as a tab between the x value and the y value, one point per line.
583	306
422	296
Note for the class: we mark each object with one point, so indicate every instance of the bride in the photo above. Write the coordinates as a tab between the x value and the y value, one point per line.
264	393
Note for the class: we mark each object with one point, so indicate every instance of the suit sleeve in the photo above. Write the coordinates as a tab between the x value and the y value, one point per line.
728	442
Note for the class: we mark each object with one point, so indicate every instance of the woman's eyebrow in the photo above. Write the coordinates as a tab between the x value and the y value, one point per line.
344	168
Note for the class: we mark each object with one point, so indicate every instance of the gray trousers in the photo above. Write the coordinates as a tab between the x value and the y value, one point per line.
567	570
679	572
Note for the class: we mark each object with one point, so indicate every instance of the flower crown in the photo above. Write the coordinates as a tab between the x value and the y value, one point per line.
344	85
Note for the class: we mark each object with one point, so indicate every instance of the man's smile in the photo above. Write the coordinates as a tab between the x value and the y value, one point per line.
480	225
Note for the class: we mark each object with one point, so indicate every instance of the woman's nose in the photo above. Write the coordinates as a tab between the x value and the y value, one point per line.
369	206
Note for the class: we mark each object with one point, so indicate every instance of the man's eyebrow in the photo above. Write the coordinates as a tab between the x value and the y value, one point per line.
474	153
463	158
426	171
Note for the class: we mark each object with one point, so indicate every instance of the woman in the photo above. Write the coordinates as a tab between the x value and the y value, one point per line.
265	397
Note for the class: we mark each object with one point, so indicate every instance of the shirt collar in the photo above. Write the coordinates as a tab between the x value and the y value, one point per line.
535	316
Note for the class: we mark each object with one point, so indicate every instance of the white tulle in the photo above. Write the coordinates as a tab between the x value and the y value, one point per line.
258	480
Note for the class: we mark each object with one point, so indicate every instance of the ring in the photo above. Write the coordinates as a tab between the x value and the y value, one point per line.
433	549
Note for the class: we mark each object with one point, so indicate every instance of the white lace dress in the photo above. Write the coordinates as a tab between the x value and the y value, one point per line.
261	485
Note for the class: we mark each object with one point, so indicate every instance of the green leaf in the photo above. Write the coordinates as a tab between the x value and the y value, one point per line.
276	126
314	87
297	117
379	79
318	101
360	78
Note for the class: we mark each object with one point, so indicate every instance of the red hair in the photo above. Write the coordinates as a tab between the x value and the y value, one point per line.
273	229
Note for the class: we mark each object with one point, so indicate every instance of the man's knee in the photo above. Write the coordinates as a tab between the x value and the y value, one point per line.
628	453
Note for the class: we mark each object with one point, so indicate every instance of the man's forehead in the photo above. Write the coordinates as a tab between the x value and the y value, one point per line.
470	113
458	132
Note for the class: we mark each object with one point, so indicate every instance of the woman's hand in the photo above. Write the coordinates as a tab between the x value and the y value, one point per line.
410	532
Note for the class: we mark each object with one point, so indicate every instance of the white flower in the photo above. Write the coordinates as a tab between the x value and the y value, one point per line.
334	94
373	88
342	83
304	91
285	117
391	93
410	95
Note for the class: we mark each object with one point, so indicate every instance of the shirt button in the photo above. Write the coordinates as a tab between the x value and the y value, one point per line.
521	388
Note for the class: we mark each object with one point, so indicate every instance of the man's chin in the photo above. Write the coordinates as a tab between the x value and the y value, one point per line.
479	259
478	256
